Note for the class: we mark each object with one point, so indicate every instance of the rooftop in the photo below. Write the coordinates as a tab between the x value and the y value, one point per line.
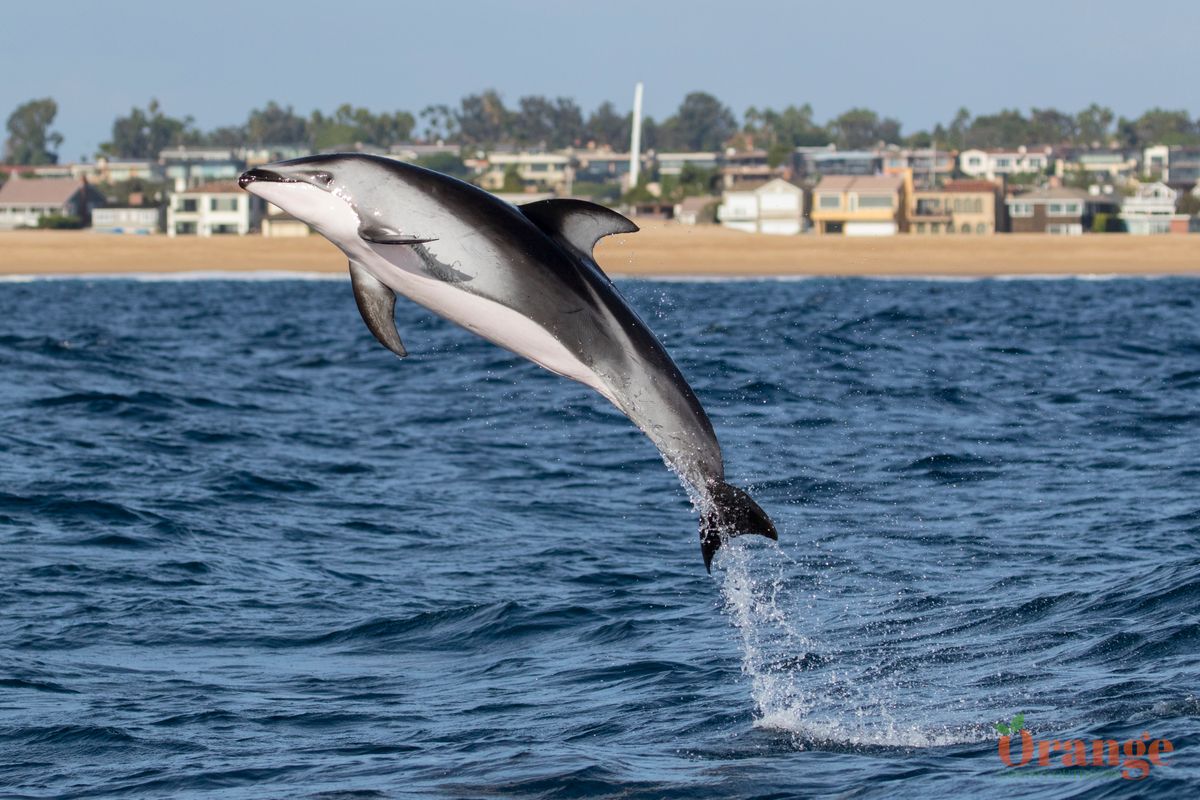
860	183
40	190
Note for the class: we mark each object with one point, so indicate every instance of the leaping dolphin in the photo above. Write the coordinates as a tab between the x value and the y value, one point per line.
522	277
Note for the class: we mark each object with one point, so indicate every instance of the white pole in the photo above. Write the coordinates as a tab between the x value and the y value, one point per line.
635	143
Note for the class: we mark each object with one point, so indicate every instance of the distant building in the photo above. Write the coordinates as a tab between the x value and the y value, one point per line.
929	165
1103	165
993	164
411	151
673	163
213	209
695	210
748	168
821	161
141	221
1178	167
279	224
24	201
189	167
861	205
537	171
1152	210
120	170
960	207
1057	210
601	166
774	207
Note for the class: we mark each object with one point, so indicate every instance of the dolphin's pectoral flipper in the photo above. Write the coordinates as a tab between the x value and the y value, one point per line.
381	234
377	304
731	512
576	224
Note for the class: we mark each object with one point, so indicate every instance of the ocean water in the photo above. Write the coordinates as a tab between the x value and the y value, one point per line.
246	552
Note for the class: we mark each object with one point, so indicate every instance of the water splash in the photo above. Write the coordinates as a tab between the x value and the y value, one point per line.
800	687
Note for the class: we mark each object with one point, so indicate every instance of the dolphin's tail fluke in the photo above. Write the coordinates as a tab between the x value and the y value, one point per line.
730	512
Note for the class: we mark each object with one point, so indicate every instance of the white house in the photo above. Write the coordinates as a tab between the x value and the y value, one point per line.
775	207
990	164
213	209
1151	209
24	201
125	220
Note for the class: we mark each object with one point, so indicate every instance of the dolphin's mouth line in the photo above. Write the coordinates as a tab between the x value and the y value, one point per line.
258	175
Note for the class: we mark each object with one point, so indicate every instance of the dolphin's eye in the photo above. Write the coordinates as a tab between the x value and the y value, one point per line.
320	178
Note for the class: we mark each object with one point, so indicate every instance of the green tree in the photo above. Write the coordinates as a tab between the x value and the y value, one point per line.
143	134
1158	126
606	126
1093	125
701	123
1051	126
446	163
862	127
30	140
482	118
441	123
274	124
1005	128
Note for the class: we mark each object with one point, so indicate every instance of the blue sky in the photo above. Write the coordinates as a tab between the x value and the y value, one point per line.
916	61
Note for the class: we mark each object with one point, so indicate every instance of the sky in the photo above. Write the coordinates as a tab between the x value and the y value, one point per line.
917	61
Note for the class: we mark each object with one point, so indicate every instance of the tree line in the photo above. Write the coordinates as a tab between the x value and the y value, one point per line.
701	122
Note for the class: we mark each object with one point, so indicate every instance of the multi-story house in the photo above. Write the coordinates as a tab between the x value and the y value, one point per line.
1102	166
24	201
1151	210
992	164
960	207
775	207
820	161
673	163
861	205
189	167
929	166
747	168
213	209
1177	166
546	172
142	220
1057	210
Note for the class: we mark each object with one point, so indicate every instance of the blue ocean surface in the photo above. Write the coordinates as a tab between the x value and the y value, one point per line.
246	552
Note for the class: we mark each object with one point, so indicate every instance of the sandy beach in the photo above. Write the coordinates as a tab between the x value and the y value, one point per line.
658	249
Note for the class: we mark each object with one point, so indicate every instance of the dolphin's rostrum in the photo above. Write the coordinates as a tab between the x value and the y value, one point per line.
521	277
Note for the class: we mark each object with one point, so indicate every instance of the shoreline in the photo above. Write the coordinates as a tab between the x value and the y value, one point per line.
659	250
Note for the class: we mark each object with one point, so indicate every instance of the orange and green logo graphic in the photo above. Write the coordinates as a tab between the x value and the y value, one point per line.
1133	758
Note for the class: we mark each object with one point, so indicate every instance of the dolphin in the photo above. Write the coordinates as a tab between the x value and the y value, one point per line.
522	277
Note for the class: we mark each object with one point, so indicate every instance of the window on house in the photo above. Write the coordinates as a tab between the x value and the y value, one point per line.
981	229
965	228
829	201
977	205
224	229
185	228
920	227
974	161
1072	209
1021	209
1055	209
223	204
874	201
1003	163
186	204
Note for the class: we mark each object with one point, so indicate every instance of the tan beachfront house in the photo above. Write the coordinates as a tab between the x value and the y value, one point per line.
862	205
959	207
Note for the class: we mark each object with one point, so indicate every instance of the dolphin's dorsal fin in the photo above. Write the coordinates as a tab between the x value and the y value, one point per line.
577	224
377	304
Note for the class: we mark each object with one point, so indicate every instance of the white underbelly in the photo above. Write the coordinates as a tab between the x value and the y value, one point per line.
493	321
